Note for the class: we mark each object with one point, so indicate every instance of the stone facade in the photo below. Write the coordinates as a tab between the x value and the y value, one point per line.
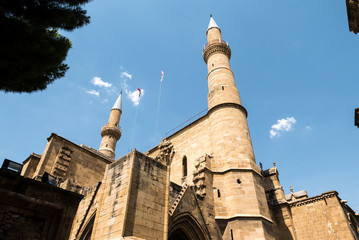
200	183
317	218
296	216
34	210
74	166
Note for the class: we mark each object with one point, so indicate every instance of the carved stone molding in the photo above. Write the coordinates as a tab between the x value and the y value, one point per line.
314	199
62	162
234	105
166	152
216	47
199	177
111	131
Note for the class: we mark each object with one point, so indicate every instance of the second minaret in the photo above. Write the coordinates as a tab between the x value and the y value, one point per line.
111	132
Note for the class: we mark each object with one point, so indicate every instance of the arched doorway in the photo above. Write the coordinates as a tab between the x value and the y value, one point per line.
178	235
186	227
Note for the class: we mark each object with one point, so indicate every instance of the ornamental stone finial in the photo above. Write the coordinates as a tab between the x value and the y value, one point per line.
166	152
261	165
291	189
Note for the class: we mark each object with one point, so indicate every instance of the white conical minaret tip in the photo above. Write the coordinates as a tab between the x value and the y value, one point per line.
118	103
212	23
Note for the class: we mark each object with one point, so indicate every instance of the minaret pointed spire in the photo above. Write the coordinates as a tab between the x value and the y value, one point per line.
212	24
118	103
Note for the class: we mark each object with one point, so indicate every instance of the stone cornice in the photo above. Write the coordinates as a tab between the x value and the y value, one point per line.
323	196
224	171
216	47
244	216
233	105
274	189
219	68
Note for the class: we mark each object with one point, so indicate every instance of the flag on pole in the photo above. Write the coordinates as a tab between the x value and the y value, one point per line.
139	92
162	74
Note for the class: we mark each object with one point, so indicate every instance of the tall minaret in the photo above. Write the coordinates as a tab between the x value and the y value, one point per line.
111	132
241	201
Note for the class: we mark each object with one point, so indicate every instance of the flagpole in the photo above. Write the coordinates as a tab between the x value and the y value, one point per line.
134	122
133	129
158	108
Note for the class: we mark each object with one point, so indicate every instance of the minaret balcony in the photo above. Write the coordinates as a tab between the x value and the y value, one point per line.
115	131
215	41
216	45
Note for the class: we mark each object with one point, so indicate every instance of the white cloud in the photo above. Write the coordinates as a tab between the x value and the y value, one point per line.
282	125
126	75
308	127
93	92
97	81
134	96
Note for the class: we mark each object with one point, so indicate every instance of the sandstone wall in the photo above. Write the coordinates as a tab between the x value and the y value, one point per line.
34	210
229	199
86	212
132	199
30	165
146	209
246	229
231	142
321	218
68	161
113	198
283	222
191	142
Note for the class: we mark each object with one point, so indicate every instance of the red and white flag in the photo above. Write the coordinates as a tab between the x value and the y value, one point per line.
139	92
162	74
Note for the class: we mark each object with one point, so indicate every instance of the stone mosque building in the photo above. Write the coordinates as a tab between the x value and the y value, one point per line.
200	183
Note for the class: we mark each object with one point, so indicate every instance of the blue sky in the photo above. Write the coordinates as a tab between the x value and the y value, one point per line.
293	61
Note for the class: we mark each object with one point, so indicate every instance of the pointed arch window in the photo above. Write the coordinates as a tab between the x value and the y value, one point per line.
87	232
184	166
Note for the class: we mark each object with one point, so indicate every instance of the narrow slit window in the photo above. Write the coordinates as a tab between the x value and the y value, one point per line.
218	193
184	166
222	87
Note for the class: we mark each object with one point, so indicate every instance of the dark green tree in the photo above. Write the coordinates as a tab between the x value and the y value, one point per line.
32	51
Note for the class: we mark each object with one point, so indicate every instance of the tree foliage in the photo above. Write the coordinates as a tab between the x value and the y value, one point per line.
32	51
